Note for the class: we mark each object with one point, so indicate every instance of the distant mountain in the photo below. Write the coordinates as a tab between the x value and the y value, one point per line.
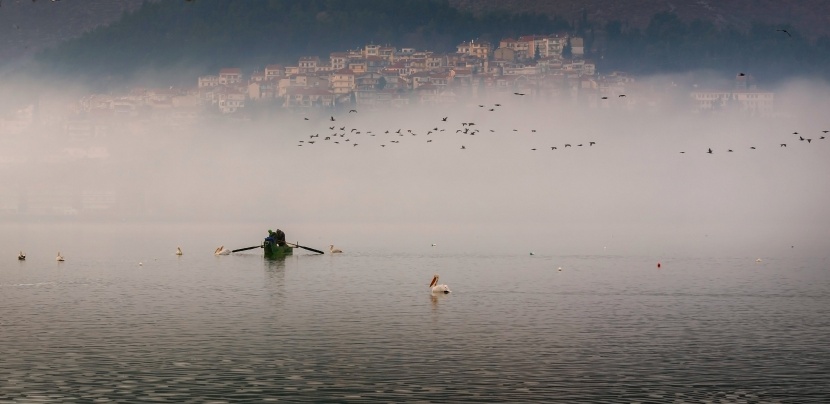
204	35
808	17
108	40
27	27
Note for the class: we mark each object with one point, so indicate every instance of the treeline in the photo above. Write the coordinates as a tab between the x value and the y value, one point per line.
206	35
201	36
669	45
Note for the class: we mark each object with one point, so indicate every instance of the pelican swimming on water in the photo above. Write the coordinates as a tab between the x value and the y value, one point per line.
21	256
333	250
178	251
221	251
436	288
59	257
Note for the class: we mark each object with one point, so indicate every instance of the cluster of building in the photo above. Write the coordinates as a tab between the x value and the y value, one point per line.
384	75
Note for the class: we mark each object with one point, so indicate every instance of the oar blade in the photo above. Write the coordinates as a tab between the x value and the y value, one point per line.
246	248
306	248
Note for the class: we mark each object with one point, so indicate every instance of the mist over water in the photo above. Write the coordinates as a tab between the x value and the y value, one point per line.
631	192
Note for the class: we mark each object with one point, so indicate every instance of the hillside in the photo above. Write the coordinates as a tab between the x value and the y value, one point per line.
183	39
808	17
27	27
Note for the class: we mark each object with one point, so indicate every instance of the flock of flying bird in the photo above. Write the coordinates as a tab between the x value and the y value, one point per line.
344	135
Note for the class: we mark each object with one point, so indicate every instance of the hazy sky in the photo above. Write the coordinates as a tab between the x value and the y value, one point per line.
633	192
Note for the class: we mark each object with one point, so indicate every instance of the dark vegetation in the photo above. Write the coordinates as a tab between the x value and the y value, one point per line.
669	45
208	34
201	36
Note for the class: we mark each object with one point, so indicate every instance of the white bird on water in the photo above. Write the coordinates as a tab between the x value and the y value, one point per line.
436	288
221	251
59	257
178	251
21	256
333	250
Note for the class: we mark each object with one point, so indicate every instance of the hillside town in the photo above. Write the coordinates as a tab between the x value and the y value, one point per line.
539	66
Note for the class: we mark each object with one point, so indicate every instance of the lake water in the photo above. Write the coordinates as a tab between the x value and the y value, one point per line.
362	327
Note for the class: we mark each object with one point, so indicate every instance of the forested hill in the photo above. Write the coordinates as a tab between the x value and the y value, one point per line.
209	34
200	36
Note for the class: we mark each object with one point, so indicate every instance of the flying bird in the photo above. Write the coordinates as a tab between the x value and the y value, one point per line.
352	110
784	31
783	145
332	119
710	151
444	118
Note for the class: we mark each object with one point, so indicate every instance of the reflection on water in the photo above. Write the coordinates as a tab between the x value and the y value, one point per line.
362	327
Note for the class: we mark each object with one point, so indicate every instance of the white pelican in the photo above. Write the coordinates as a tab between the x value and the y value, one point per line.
221	251
333	250
436	288
758	260
59	257
21	256
178	251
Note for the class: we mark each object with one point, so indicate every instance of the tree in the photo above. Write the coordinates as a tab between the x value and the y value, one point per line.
567	51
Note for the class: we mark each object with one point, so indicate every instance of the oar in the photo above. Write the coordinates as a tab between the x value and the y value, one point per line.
307	248
246	248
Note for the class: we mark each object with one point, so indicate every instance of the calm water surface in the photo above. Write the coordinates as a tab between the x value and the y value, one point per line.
362	326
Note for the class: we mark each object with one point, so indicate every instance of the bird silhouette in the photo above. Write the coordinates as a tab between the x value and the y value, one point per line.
462	147
332	119
784	31
444	118
783	145
352	110
710	151
591	143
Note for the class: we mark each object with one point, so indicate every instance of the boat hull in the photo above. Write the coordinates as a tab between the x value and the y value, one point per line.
273	250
